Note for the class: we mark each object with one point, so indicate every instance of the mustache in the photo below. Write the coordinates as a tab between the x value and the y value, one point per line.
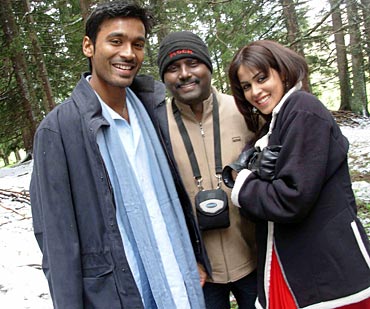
125	61
190	81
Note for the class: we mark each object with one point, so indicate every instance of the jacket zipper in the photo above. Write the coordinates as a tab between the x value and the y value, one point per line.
205	151
210	173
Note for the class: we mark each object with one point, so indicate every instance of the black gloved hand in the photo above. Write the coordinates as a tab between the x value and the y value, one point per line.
263	163
237	165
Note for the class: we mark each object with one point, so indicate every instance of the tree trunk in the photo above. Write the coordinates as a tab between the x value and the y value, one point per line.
366	19
291	21
17	155
20	67
42	73
294	33
162	21
85	8
359	103
342	62
5	159
161	17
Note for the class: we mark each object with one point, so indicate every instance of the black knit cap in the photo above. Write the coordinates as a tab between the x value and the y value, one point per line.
179	45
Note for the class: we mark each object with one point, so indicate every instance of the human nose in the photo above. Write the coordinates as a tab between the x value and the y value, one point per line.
184	72
256	90
127	52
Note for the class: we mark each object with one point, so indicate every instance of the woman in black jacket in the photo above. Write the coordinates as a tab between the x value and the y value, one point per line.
294	182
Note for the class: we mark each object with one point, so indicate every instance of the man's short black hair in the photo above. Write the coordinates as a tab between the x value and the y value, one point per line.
115	9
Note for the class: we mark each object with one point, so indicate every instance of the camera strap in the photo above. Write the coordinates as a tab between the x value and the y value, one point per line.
189	146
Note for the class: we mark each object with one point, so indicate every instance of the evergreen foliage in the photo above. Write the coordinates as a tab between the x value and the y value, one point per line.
51	31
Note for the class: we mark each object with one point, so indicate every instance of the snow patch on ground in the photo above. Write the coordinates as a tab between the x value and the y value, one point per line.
22	282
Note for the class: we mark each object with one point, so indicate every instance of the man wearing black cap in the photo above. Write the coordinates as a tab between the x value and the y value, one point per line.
196	112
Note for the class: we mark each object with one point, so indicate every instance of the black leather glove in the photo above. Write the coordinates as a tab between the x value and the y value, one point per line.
263	163
237	165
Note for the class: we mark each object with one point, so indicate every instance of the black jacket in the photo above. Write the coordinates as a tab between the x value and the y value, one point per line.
309	212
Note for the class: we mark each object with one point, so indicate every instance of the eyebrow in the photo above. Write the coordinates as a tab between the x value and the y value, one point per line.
121	34
253	77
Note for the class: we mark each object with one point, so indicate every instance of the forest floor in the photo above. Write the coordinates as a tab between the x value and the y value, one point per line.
22	282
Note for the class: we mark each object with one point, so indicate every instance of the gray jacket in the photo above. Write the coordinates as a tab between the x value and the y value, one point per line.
73	206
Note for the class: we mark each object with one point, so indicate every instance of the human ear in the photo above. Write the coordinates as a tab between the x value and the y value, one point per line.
87	47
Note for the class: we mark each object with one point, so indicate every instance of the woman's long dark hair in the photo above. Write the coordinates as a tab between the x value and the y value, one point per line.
264	55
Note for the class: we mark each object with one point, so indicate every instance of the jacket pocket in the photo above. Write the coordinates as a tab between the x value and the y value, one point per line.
100	289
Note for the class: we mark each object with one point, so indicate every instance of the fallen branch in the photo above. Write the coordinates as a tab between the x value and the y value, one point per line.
16	212
22	196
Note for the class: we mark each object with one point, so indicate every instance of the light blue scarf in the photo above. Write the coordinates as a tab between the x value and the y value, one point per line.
132	213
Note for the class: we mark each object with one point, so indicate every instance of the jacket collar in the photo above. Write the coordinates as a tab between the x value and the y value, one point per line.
143	85
88	103
85	98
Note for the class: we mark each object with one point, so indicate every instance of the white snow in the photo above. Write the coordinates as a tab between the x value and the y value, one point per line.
22	282
359	159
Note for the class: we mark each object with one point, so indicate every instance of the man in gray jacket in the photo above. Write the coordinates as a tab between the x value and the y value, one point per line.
105	209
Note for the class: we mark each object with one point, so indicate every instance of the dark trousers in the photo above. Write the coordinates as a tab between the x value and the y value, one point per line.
217	295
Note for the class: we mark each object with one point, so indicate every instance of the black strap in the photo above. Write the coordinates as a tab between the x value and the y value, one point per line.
216	134
189	146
